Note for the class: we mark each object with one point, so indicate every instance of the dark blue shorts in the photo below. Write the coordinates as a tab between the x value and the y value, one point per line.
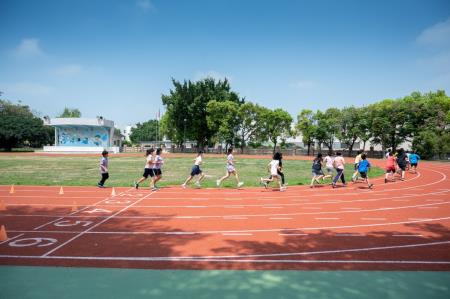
363	174
196	170
157	171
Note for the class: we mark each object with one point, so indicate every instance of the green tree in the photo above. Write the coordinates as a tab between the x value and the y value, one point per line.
20	127
250	127
70	113
306	125
147	131
223	118
349	123
186	108
276	124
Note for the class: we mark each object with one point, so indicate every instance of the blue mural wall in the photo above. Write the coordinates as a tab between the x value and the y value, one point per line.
83	136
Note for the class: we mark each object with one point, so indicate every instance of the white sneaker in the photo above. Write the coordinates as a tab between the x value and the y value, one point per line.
283	189
183	186
197	184
240	184
218	183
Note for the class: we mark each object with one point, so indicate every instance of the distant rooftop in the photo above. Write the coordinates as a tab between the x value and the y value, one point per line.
99	121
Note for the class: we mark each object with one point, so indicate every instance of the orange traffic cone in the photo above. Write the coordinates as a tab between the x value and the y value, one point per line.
2	206
61	191
11	191
3	235
113	192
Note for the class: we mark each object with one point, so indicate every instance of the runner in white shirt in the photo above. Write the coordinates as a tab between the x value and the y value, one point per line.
274	167
328	160
148	170
230	170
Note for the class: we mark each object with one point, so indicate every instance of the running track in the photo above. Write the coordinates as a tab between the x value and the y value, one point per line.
396	226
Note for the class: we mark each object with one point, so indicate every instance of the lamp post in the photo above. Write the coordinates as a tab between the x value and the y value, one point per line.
184	136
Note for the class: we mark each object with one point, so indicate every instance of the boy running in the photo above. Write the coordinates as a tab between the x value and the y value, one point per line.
363	169
148	169
338	164
402	159
196	171
317	172
103	169
230	170
414	160
274	167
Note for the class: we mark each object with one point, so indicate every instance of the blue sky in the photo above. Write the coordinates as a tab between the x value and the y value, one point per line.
116	58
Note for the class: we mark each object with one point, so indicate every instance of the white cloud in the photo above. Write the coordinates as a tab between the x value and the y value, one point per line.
69	70
28	47
303	84
200	75
438	34
145	5
28	89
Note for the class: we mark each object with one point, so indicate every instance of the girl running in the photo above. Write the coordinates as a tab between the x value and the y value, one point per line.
328	160
196	171
274	167
390	167
148	171
338	164
230	170
157	165
317	172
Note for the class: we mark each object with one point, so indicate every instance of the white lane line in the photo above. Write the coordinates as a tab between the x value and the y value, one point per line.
311	208
234	218
419	219
327	218
351	209
401	199
272	207
280	218
179	233
233	207
81	210
10	239
198	199
232	199
374	219
305	200
436	200
97	224
239	257
407	235
428	207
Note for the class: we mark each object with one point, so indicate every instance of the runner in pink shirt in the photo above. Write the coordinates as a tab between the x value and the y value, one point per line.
339	165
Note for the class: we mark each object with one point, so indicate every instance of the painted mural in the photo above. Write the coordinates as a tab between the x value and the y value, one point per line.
83	136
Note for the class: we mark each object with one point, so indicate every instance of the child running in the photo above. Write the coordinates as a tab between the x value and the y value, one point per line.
357	160
402	159
230	170
390	167
363	169
196	171
280	171
317	172
328	160
148	169
274	167
338	164
157	165
414	160
103	169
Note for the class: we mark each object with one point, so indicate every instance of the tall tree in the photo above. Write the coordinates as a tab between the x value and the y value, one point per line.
70	113
224	119
276	124
146	131
19	127
250	127
186	108
307	127
349	127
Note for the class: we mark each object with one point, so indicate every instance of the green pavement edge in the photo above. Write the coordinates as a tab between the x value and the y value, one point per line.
70	282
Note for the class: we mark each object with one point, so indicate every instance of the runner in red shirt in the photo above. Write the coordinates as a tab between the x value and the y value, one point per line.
390	167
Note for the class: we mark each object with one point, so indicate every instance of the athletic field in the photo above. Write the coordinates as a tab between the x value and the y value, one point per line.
348	242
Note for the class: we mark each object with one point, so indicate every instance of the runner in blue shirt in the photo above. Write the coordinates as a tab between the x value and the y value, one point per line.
364	168
414	160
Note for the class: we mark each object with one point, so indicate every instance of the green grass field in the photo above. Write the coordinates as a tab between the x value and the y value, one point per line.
123	170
